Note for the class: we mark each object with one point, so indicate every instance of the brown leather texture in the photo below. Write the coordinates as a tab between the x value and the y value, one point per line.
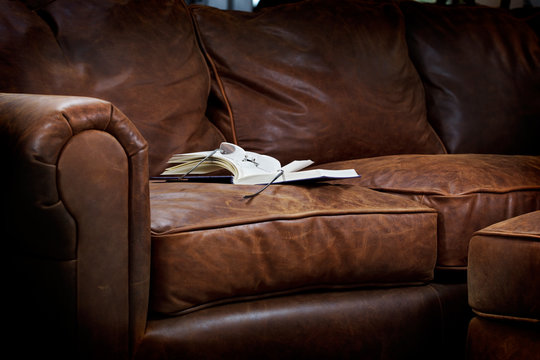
298	271
469	191
489	340
209	245
480	67
392	324
78	209
314	80
504	269
140	55
105	172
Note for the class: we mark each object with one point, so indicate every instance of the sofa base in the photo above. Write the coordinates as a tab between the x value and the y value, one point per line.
395	323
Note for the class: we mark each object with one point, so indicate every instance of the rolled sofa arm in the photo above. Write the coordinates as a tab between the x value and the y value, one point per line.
76	223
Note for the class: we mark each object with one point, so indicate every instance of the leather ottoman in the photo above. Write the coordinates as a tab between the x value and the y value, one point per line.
504	290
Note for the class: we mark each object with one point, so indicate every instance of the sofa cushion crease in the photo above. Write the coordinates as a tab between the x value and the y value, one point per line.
288	208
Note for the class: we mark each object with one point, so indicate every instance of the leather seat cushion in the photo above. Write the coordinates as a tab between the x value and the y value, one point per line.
468	191
504	269
209	245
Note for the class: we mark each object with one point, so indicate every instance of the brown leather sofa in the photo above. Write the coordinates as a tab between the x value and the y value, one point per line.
435	107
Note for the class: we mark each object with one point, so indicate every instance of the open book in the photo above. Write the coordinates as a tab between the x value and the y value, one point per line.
248	168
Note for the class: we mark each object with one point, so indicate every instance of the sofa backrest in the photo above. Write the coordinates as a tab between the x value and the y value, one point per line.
481	71
140	55
317	79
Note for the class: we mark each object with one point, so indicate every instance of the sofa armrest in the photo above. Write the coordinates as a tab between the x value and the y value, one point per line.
77	221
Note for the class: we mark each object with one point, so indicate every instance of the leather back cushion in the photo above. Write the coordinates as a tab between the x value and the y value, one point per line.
316	80
140	55
481	70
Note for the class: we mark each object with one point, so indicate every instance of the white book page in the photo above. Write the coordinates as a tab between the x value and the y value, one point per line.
239	162
249	163
296	165
315	174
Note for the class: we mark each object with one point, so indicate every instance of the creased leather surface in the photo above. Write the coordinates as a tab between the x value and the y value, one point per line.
504	269
316	80
178	207
469	191
140	55
481	68
209	245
